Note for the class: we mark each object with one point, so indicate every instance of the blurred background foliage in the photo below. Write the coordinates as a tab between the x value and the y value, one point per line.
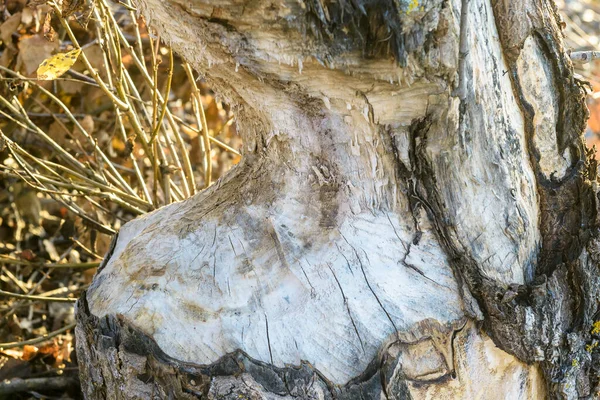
129	128
582	32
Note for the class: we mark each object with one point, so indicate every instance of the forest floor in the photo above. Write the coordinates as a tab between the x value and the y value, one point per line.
57	223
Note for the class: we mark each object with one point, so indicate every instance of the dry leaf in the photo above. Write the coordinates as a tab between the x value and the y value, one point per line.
27	16
67	348
47	29
57	65
26	255
8	27
29	352
95	56
87	123
32	51
12	353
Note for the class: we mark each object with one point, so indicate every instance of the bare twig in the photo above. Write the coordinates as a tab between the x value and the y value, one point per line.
201	118
17	385
37	298
584	57
15	261
44	338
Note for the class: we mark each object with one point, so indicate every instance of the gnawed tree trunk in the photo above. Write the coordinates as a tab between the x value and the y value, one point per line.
414	215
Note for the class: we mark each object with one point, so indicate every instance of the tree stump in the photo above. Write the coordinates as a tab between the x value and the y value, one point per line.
414	215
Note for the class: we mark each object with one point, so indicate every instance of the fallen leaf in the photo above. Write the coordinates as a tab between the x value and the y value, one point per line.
26	255
50	348
32	51
13	353
29	352
8	27
57	65
27	16
87	123
47	29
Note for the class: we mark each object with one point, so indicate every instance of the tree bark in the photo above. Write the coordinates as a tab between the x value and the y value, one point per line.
414	215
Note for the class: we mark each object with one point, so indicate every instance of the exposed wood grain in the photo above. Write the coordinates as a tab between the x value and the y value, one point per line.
381	224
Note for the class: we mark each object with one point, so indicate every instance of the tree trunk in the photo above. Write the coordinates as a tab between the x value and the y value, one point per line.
414	215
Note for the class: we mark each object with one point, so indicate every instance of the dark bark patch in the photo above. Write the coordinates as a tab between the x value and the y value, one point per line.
329	205
375	27
112	352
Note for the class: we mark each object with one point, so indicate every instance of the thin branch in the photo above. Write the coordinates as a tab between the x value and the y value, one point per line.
584	57
201	118
37	298
65	24
44	338
216	141
17	385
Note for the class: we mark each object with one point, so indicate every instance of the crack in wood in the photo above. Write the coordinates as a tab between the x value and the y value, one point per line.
268	338
362	268
347	307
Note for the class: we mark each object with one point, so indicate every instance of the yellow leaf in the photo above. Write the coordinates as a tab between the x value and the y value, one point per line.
57	65
412	6
596	328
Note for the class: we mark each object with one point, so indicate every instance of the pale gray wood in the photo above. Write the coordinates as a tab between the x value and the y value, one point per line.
405	224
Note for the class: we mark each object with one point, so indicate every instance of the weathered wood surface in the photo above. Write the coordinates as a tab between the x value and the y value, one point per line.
408	220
